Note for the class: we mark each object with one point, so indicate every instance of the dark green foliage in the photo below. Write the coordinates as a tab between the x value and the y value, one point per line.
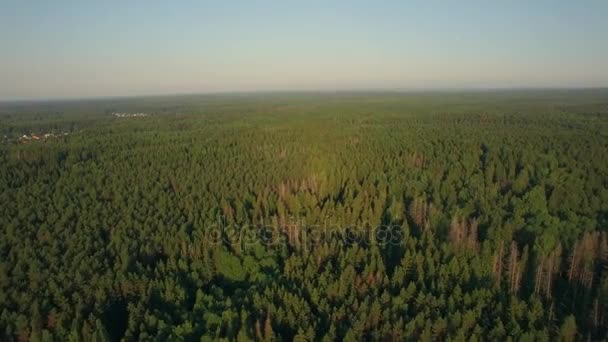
257	217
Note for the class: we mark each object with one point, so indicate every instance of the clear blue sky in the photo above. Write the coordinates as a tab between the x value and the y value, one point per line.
52	49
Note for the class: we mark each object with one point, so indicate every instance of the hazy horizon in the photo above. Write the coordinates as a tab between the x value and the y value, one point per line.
317	92
64	50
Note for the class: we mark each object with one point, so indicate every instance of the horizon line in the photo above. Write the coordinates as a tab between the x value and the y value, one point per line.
428	90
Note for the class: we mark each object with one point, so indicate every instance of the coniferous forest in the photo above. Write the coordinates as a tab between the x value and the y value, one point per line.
305	216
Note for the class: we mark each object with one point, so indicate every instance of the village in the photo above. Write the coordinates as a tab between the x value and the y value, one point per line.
32	137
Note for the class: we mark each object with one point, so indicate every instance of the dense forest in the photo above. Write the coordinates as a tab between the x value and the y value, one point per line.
318	217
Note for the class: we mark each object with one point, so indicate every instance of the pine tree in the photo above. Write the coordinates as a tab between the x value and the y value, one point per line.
568	329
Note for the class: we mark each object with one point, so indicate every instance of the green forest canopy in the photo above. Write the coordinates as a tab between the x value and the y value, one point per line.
445	216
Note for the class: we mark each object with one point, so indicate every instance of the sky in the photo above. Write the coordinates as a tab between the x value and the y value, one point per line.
72	49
